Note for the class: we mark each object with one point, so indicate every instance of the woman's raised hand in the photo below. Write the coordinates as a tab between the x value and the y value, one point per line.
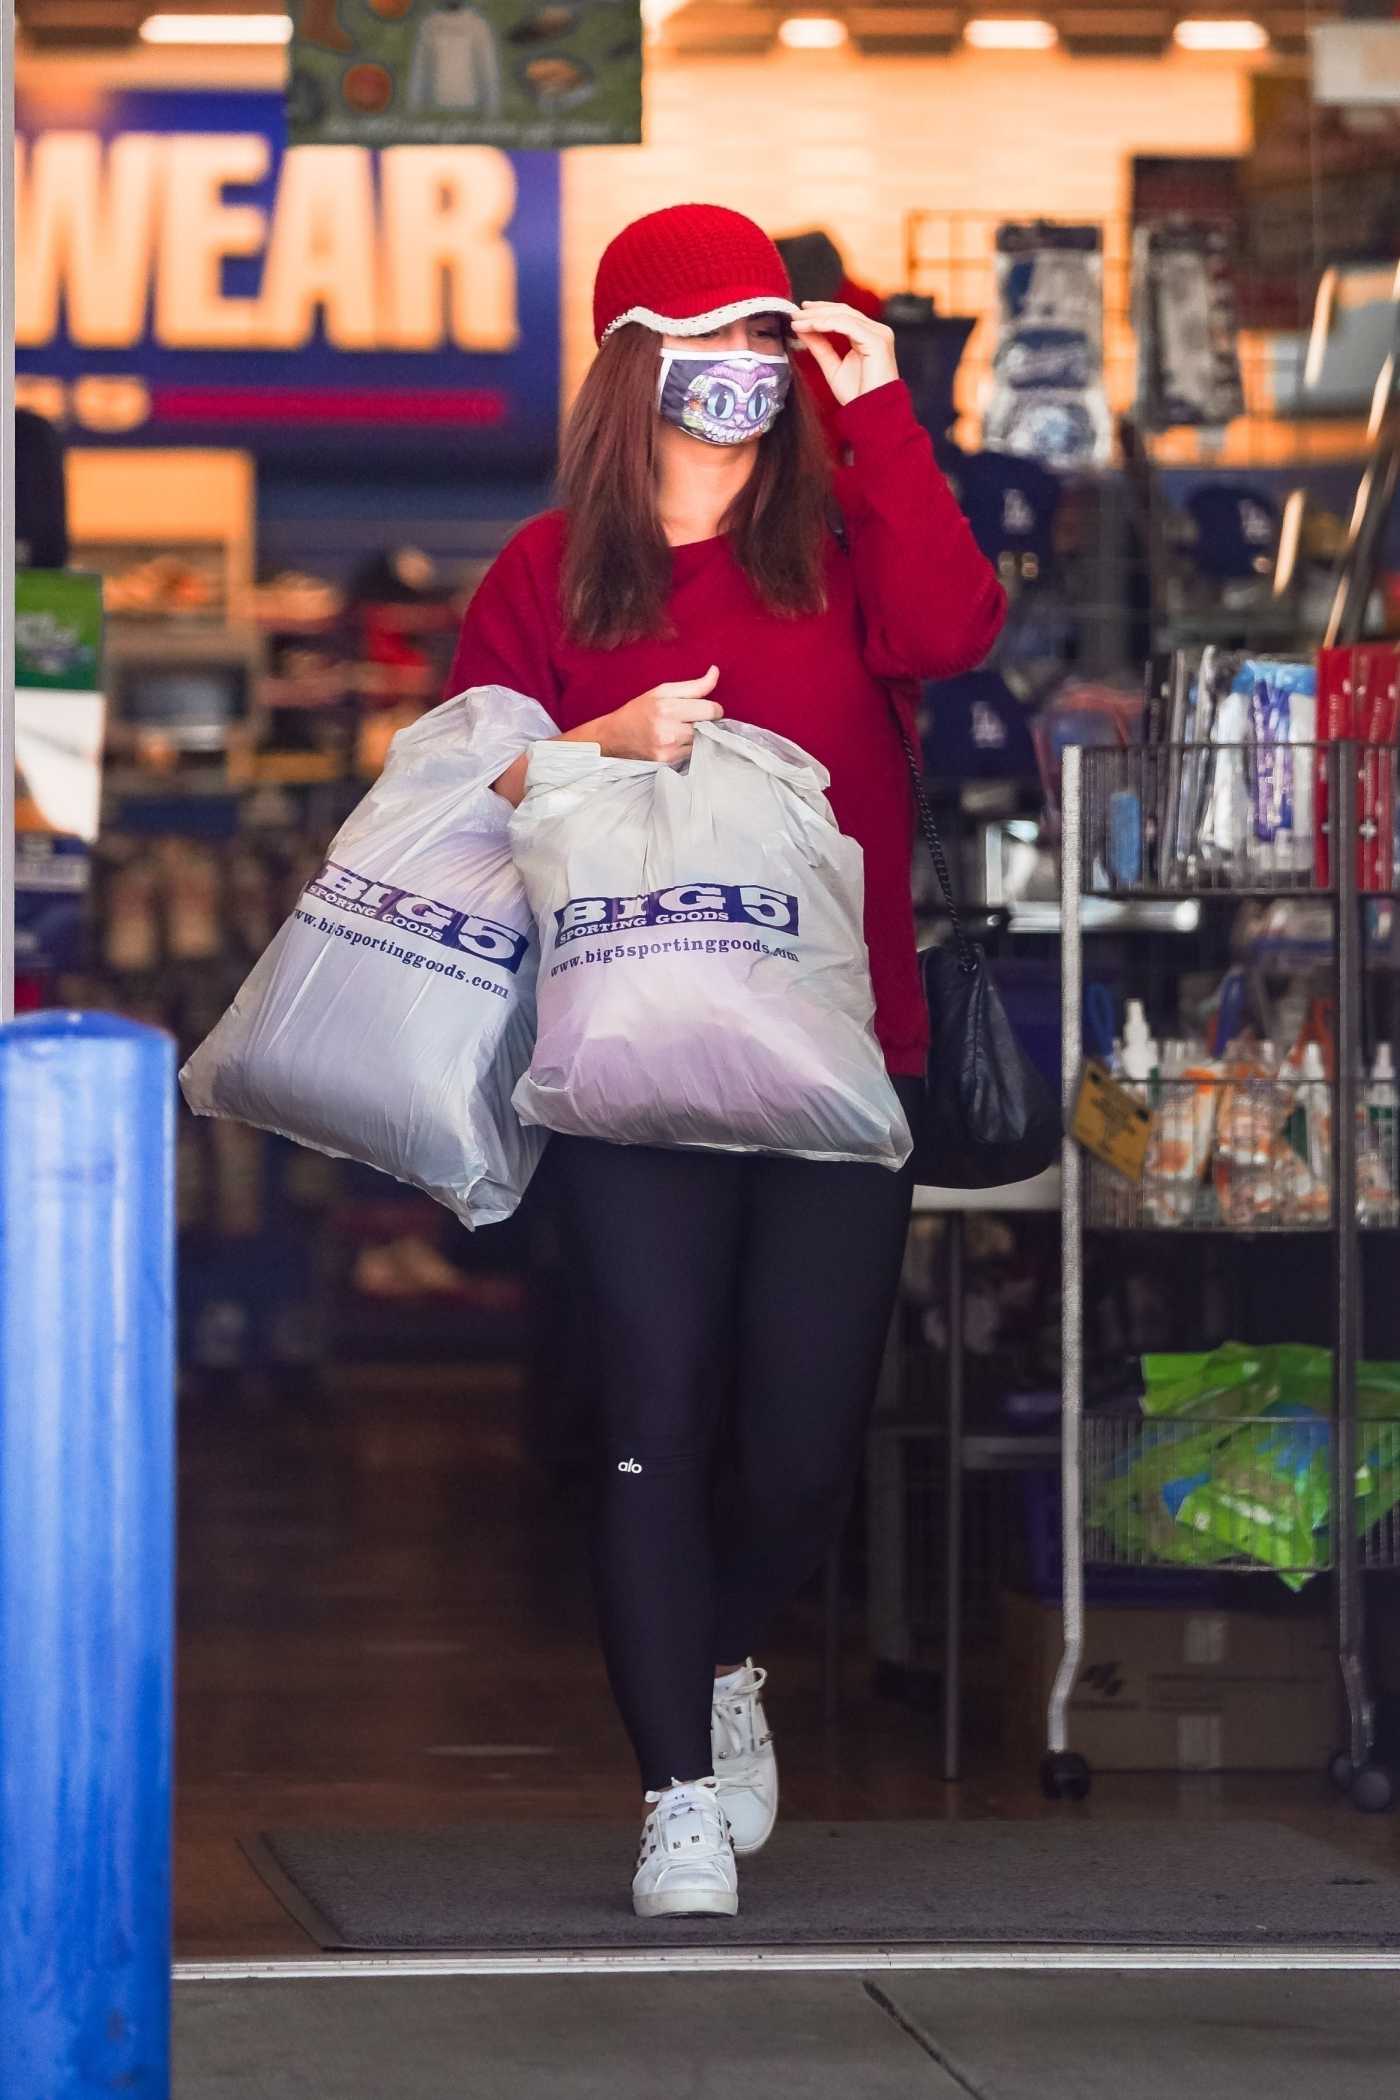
660	724
870	361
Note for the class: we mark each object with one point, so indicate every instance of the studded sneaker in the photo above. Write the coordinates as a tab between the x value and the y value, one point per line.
686	1864
746	1767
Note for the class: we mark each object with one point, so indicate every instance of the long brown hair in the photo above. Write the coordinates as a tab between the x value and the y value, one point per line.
617	565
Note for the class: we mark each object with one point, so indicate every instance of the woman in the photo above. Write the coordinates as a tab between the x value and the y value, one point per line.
703	563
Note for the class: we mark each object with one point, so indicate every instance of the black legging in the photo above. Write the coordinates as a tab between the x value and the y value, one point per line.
715	1278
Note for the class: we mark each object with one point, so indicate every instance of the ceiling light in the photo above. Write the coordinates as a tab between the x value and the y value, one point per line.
1011	33
217	29
812	33
1208	34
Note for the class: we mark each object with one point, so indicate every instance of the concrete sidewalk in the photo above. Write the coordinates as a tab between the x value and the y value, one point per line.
892	2035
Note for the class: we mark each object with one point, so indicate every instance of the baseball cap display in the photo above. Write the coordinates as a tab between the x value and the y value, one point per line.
1010	503
978	730
1237	528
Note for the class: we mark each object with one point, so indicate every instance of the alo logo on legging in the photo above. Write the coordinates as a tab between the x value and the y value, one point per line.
628	1465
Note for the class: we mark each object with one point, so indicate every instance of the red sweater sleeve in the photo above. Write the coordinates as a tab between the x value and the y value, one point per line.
931	600
512	622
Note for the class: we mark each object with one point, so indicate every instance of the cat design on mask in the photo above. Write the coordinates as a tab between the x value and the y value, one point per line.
726	399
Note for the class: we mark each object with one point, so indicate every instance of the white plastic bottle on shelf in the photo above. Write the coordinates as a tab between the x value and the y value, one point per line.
1171	1173
1315	1100
1134	1064
1378	1168
1140	1057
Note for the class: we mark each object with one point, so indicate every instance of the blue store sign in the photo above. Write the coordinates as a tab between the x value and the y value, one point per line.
183	278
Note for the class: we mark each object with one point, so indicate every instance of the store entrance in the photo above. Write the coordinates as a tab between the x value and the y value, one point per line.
386	1624
1151	380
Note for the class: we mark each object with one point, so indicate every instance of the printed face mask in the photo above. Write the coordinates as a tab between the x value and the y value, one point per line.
724	399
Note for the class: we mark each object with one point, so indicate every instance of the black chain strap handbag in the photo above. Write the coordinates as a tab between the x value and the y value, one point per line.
988	1118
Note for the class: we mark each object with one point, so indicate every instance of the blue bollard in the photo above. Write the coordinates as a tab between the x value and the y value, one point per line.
87	1520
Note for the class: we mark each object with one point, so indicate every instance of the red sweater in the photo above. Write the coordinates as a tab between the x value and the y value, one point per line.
909	596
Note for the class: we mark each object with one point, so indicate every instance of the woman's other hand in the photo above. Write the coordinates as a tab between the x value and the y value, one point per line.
660	724
870	361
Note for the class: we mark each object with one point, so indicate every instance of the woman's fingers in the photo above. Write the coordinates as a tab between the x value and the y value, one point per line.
696	710
827	356
841	373
832	318
688	688
869	363
679	704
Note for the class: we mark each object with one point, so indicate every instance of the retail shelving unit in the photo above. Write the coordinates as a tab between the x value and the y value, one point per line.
1282	1197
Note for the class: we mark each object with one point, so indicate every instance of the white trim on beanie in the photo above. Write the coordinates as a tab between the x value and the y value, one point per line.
700	324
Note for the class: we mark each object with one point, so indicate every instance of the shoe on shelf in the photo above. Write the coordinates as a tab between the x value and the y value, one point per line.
131	942
746	1766
190	881
686	1865
427	1273
407	1267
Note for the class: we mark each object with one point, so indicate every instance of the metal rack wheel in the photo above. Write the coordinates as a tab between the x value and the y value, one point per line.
1065	1776
1340	1770
1372	1790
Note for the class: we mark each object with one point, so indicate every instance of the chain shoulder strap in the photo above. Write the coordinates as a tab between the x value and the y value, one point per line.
967	958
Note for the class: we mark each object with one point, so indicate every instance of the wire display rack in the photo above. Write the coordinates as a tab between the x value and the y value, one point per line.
1213	819
1245	1154
1131	828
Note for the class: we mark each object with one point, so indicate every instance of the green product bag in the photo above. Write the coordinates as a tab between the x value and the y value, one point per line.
1252	1481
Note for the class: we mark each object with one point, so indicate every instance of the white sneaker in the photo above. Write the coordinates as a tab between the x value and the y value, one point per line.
746	1766
686	1865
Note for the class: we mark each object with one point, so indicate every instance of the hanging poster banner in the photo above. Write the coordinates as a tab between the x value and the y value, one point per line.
60	716
183	280
1047	399
511	73
1186	320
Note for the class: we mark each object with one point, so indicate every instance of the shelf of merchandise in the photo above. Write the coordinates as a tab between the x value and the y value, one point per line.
190	538
1089	1450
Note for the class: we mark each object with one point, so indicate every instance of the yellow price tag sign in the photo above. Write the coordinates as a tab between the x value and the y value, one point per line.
1110	1122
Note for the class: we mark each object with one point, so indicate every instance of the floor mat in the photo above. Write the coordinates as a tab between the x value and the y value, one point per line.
483	1887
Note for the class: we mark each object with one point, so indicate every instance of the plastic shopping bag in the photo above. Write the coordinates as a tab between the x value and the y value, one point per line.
392	1015
703	972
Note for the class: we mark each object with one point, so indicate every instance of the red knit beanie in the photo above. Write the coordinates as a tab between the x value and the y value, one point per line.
686	269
